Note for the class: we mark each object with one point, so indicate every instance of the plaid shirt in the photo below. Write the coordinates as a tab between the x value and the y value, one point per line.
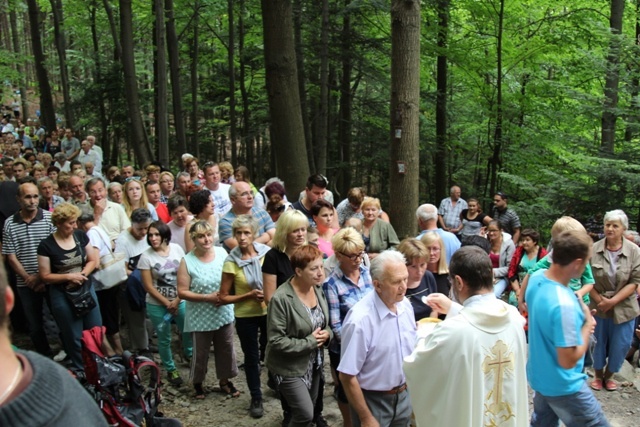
451	214
508	219
342	294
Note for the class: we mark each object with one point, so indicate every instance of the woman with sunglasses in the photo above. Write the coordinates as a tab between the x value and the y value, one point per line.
347	284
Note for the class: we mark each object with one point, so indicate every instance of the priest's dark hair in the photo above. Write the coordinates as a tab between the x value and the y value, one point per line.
473	265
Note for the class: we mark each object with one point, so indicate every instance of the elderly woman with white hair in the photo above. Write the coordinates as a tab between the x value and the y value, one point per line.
615	263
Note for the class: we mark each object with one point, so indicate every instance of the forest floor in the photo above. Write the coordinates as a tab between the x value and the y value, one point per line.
622	407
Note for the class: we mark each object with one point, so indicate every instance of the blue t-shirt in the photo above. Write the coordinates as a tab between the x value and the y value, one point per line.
555	320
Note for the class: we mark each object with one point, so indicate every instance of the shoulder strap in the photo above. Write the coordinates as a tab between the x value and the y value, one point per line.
83	255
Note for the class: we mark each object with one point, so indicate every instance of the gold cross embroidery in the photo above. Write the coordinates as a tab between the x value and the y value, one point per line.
498	363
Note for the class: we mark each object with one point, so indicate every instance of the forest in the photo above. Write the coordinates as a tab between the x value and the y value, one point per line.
538	99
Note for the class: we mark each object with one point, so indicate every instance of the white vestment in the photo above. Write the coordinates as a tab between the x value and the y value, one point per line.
471	370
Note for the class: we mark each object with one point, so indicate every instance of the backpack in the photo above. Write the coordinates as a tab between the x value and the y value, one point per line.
117	386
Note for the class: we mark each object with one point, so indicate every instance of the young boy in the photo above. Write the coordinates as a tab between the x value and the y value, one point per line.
560	325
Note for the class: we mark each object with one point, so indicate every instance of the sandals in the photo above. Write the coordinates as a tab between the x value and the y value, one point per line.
610	385
596	384
229	389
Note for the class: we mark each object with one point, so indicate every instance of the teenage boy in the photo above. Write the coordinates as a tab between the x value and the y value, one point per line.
559	328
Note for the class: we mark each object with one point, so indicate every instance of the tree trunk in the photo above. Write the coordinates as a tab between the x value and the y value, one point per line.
15	38
287	131
302	79
195	53
633	120
246	132
104	122
232	84
162	119
495	161
61	47
405	103
114	29
322	121
140	142
612	78
174	71
48	116
441	101
346	100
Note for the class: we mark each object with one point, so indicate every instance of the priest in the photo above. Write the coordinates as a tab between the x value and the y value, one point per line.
471	369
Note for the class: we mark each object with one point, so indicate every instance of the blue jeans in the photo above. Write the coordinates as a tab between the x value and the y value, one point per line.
156	315
33	304
252	332
579	409
613	342
70	325
499	287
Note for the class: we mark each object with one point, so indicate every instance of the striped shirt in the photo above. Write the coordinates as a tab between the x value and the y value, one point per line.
22	239
508	219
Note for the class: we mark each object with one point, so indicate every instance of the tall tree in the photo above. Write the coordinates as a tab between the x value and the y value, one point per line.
496	158
162	112
322	121
20	68
139	139
194	49
405	103
61	47
287	131
174	72
232	84
48	115
612	78
346	101
441	100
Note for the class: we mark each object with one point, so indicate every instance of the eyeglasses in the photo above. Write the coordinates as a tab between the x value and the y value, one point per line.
354	257
132	178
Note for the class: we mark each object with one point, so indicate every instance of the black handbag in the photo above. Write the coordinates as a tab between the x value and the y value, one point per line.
80	298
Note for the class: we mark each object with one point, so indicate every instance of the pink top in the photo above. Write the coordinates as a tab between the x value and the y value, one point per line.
495	260
325	247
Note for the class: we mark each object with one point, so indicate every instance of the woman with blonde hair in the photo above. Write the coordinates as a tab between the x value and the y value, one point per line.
66	259
226	173
291	233
206	318
134	197
242	287
436	261
378	235
167	184
349	281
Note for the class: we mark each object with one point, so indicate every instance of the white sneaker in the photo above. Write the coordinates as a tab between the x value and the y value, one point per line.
60	356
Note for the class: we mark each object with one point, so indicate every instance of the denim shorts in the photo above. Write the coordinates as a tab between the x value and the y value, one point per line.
580	409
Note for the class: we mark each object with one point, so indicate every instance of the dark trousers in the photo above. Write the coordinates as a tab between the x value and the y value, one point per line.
252	332
33	304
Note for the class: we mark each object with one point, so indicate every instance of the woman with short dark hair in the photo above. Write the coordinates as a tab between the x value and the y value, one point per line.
158	266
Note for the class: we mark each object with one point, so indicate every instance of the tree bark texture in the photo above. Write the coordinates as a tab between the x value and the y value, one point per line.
48	115
346	101
612	78
139	139
15	38
162	112
61	48
441	101
496	158
174	72
232	84
195	53
302	81
287	131
322	121
405	102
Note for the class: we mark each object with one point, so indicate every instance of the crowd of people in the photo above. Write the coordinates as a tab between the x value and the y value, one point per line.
208	255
